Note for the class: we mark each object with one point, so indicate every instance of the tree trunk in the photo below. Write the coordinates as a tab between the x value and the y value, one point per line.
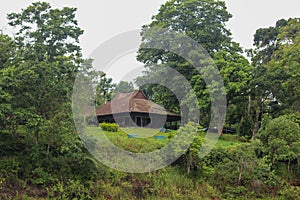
240	176
48	149
249	106
256	123
242	120
189	163
36	137
220	130
220	113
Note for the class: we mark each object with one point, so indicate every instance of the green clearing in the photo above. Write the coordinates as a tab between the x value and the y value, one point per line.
142	132
145	142
227	140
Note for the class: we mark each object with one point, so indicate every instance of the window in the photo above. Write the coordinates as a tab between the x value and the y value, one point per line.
142	121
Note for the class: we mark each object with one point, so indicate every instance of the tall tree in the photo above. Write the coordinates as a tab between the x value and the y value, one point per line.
47	58
6	56
266	42
275	86
45	33
204	22
104	89
124	87
284	68
7	48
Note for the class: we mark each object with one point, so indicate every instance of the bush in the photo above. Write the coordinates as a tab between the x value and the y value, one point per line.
10	169
71	189
109	127
289	193
281	139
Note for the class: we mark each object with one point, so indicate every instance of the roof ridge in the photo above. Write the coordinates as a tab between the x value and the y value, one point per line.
135	101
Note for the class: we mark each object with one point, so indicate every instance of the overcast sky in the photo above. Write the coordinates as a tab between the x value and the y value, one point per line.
103	19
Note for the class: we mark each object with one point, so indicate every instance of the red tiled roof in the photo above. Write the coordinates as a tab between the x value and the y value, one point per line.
132	102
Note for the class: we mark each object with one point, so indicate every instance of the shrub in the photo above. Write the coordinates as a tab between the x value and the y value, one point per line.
289	193
71	189
109	127
10	169
281	139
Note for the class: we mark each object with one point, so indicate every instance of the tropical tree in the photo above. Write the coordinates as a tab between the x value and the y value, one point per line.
104	89
275	87
280	138
7	50
284	69
40	77
191	157
124	87
6	54
266	43
38	68
204	22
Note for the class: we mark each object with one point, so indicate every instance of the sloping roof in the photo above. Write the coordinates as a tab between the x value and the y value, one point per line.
132	102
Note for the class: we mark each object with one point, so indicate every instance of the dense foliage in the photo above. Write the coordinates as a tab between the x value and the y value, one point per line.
42	156
109	127
204	22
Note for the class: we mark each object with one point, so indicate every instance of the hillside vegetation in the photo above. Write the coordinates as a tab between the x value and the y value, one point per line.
46	149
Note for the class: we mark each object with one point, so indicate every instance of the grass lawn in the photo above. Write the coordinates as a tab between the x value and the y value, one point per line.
142	132
145	141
